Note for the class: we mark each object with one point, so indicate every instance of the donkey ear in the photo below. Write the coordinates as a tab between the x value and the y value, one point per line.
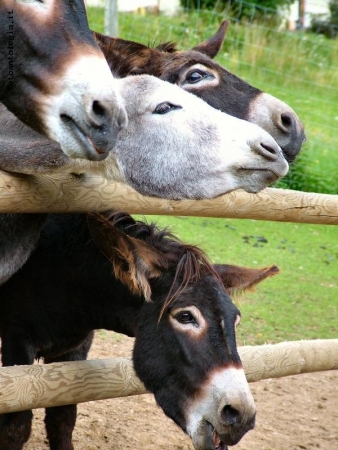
101	39
237	278
212	46
134	261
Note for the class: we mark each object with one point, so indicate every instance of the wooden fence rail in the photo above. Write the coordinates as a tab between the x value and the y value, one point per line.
39	386
23	193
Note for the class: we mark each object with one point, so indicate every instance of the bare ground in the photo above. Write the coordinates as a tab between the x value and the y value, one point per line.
297	412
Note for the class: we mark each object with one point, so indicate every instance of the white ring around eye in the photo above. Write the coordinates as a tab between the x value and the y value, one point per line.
207	81
189	327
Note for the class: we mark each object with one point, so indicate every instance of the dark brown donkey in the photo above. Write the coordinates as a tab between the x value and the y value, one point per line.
195	71
54	77
131	277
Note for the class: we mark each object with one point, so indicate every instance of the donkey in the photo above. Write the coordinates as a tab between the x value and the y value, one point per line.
163	292
195	71
54	77
172	140
210	153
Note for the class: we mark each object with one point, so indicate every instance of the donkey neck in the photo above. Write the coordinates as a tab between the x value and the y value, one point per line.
104	302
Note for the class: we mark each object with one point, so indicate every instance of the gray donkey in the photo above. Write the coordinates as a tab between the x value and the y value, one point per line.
175	146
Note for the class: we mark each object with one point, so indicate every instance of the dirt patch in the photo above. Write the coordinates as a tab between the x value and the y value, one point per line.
298	412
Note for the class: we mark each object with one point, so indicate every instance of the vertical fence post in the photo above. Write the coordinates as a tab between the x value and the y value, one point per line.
111	18
301	14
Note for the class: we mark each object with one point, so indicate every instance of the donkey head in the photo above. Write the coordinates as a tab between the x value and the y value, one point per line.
195	71
56	79
177	146
272	114
185	349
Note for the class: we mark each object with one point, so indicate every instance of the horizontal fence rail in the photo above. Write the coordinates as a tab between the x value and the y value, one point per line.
27	193
56	384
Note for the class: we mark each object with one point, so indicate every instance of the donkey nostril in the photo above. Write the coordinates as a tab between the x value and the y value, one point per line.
98	109
269	149
286	122
269	152
229	415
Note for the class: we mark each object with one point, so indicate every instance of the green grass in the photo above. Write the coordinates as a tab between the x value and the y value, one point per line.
299	303
301	69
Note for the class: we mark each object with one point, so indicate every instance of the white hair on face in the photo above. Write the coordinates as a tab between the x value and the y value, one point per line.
225	387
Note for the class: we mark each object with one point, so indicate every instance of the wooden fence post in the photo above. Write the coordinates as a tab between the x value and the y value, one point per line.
39	386
111	18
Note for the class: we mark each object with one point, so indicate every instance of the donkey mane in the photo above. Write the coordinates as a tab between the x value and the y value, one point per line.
168	47
189	261
126	57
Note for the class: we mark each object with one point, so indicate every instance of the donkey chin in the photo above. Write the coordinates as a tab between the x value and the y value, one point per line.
222	412
207	438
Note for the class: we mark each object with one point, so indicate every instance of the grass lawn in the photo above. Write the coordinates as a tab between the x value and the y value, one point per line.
299	303
302	301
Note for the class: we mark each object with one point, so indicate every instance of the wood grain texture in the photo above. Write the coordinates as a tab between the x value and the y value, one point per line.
23	193
39	386
289	358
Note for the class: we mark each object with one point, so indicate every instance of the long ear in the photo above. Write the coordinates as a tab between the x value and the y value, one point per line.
124	46
108	44
237	278
134	262
212	46
101	39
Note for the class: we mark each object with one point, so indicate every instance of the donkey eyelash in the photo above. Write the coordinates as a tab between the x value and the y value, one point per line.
165	107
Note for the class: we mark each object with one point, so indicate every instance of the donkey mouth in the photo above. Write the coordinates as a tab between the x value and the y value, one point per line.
219	445
214	439
259	178
267	171
92	152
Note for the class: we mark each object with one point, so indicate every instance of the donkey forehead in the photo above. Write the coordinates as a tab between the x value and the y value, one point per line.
178	63
39	12
141	93
210	297
38	9
175	63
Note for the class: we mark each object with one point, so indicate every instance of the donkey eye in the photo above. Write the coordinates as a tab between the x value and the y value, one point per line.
31	1
165	107
185	317
195	76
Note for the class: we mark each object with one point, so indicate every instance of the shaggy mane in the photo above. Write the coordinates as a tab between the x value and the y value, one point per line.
191	262
168	47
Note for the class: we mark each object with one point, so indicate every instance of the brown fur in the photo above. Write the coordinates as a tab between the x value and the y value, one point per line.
237	280
160	249
140	252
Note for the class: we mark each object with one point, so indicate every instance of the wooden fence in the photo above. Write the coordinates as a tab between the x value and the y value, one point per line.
28	387
56	384
19	193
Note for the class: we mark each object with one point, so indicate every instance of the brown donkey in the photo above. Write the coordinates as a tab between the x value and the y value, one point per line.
54	77
195	71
